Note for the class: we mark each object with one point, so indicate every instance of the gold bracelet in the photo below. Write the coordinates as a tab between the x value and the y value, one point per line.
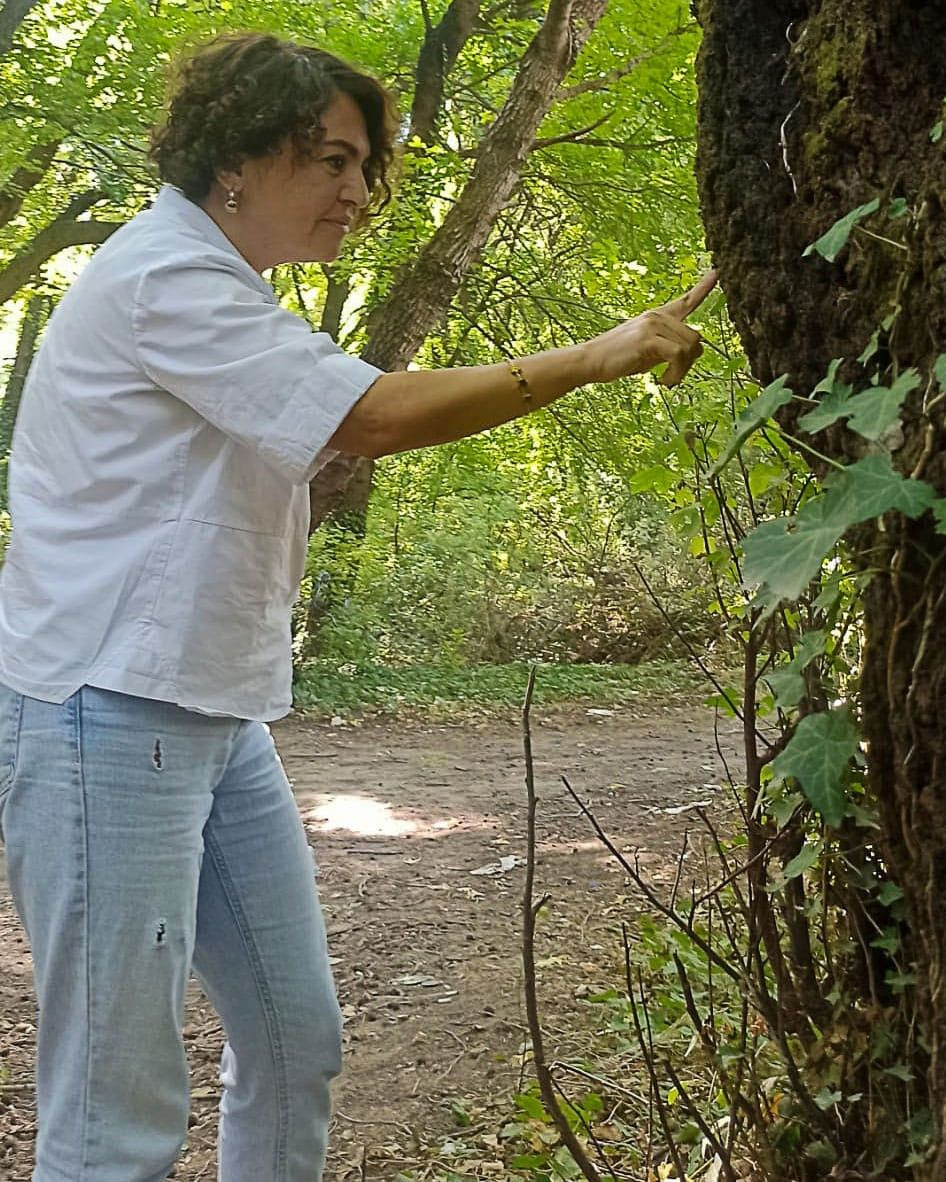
520	377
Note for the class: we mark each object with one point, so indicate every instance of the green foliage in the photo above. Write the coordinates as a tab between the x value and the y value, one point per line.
816	756
787	681
758	412
460	564
550	539
758	1008
785	554
833	241
327	688
521	545
871	414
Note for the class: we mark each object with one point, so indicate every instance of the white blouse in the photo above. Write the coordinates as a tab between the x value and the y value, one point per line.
158	480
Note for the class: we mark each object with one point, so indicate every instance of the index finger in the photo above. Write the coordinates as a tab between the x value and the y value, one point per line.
688	303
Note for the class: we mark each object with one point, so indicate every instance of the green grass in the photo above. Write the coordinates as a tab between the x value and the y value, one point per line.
332	689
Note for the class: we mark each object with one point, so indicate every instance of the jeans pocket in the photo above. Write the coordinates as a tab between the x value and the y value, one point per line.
11	709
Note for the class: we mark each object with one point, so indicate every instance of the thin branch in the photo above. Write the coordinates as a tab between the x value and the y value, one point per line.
695	656
646	1044
650	895
571	136
25	178
530	910
705	1129
619	73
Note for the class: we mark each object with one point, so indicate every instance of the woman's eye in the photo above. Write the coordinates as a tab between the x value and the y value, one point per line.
336	163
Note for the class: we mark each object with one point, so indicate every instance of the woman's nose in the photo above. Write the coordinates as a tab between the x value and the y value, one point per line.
356	189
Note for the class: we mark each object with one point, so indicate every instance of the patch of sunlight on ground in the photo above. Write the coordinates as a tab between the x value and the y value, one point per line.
360	814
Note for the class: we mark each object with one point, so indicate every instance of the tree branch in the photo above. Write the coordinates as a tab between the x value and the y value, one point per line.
26	177
418	303
603	82
570	136
586	141
438	54
80	204
12	15
530	910
47	243
35	315
619	73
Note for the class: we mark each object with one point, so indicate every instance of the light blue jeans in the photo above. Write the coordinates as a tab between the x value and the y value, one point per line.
142	841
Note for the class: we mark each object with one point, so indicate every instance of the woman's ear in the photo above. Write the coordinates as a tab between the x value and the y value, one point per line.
230	179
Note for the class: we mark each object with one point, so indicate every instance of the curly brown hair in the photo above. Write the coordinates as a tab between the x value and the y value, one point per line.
244	94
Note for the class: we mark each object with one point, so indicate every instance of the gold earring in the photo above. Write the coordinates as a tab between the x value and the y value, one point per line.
231	202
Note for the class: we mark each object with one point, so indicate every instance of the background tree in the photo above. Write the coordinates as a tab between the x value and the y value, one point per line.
810	112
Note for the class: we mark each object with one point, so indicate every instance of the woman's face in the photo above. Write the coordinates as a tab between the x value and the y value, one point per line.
298	211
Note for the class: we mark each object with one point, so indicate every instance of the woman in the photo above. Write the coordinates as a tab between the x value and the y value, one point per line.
173	418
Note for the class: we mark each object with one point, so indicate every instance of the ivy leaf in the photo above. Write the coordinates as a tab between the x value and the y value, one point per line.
874	343
787	682
810	645
939	370
802	861
833	241
889	941
759	411
870	348
871	414
874	412
830	381
827	1098
816	756
870	488
783	556
889	893
832	407
899	983
939	512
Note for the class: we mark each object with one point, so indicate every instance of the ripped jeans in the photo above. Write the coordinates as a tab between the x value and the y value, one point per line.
144	840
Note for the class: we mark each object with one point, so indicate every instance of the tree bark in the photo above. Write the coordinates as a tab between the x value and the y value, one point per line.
37	311
26	177
809	108
438	55
336	295
12	15
417	304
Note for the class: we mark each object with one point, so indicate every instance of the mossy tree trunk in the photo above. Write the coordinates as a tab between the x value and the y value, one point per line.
807	110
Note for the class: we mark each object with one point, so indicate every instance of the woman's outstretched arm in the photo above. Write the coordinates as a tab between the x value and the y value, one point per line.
418	408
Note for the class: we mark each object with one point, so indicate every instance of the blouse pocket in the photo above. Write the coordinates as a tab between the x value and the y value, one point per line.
229	485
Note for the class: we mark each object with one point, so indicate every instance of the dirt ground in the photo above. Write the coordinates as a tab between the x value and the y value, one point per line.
411	822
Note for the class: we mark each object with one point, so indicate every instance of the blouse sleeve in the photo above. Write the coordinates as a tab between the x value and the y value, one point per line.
252	369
